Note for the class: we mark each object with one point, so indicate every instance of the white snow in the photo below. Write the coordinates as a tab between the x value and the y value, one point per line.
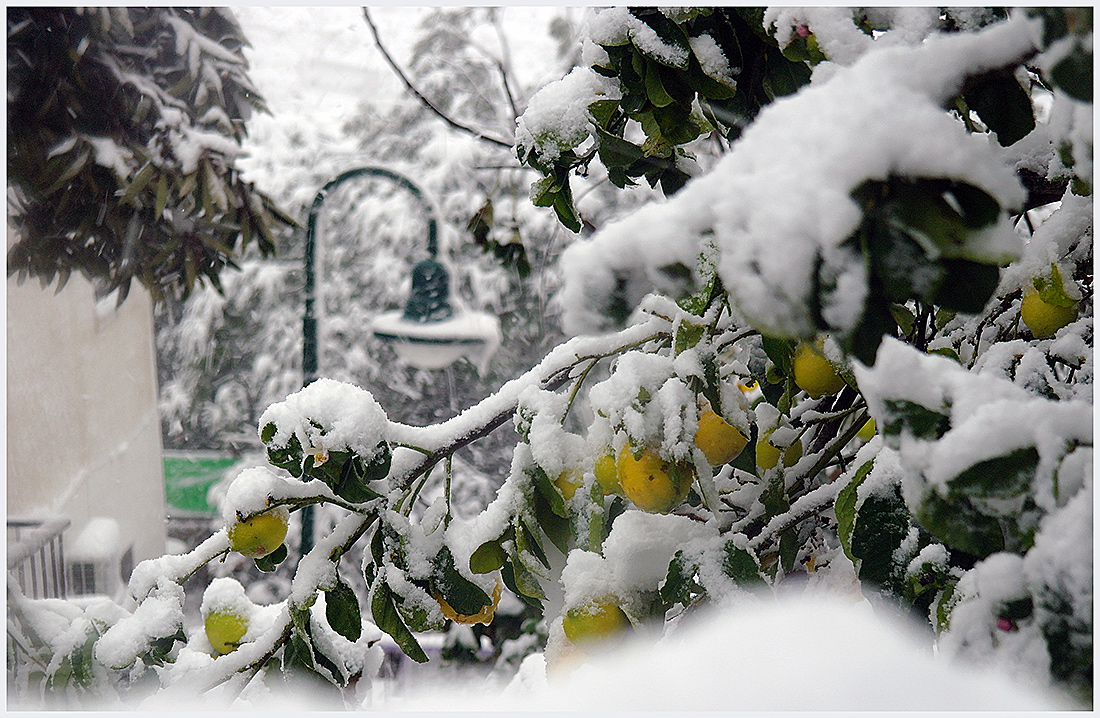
782	194
434	345
798	654
351	419
556	117
225	595
159	614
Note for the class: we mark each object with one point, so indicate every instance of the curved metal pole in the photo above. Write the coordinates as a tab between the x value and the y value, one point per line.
309	319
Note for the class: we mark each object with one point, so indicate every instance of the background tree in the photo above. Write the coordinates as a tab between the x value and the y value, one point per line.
124	125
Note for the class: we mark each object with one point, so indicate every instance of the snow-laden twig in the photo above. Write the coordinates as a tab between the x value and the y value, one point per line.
804	506
479	420
176	568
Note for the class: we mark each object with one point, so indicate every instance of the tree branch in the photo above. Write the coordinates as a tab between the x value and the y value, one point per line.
418	95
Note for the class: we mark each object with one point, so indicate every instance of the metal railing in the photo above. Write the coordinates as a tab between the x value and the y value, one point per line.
36	556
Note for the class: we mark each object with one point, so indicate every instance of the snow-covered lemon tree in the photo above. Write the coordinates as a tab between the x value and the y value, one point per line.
863	252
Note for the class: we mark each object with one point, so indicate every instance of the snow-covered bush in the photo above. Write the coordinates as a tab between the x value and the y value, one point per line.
853	257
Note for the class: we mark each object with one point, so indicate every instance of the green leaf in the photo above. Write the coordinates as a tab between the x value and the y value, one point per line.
864	340
653	87
1003	106
671	35
522	582
596	519
959	525
918	420
946	602
379	465
679	580
741	566
781	76
904	317
1073	74
464	596
488	557
556	528
545	191
141	179
1000	477
566	212
882	523
788	549
351	484
1052	289
342	611
614	151
547	490
270	562
967	286
845	508
386	617
687	336
268	433
527	543
298	653
947	352
602	112
781	352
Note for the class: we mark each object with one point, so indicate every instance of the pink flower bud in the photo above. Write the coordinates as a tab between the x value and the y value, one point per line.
803	31
1005	624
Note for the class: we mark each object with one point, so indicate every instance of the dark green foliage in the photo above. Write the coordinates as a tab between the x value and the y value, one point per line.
658	94
914	240
121	150
464	596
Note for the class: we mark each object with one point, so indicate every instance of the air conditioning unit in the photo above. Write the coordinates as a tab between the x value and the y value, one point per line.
98	563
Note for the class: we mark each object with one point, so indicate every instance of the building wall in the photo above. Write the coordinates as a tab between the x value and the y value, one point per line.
83	430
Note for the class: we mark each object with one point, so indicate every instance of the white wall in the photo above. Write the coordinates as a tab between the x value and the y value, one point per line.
83	430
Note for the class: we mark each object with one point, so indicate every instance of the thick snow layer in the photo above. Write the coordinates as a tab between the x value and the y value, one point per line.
983	421
635	557
434	345
1059	566
225	595
349	416
159	615
556	118
797	654
781	197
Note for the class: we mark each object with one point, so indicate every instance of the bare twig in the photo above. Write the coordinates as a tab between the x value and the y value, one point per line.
416	93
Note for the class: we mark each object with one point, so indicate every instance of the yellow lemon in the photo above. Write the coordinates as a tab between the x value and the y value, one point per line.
653	484
260	535
720	442
224	630
592	621
607	474
568	482
814	374
767	456
1044	319
485	615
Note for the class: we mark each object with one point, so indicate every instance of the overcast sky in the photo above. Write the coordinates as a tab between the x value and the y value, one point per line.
323	59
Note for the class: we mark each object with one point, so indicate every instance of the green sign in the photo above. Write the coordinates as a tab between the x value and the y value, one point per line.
189	476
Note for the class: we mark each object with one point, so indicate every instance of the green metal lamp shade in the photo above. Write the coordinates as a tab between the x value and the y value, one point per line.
429	300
